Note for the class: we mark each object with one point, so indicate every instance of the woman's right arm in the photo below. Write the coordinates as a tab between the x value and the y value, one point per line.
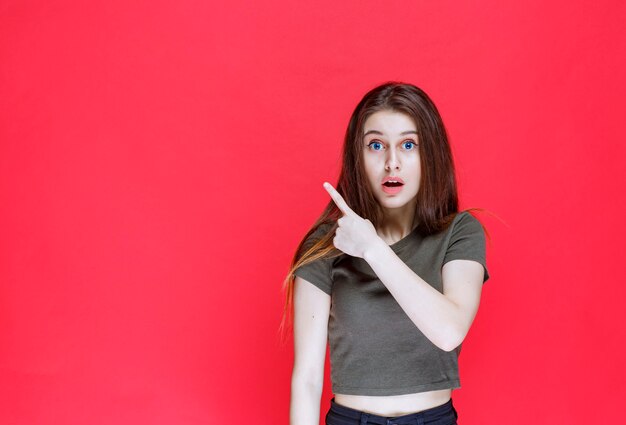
310	334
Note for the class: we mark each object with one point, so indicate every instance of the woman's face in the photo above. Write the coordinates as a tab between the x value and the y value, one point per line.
390	149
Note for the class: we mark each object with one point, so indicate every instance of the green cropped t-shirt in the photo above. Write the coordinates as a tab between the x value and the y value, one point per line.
375	349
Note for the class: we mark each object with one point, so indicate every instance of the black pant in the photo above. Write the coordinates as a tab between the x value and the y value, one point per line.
438	415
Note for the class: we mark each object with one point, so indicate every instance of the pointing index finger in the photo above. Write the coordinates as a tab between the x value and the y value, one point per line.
338	199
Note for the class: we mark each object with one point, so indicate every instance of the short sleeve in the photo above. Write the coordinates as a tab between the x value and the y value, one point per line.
319	271
467	241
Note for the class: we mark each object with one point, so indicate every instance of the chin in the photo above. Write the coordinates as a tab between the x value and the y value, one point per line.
393	203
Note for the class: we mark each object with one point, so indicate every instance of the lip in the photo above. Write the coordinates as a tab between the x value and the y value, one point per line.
392	178
394	189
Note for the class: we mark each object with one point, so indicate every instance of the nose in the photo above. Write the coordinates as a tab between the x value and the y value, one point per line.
392	161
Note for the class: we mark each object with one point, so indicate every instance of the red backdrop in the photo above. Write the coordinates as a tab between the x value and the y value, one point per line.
160	161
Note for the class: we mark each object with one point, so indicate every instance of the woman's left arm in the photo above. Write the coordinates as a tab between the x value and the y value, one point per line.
444	318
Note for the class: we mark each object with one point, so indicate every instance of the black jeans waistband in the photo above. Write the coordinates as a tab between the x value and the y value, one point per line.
432	415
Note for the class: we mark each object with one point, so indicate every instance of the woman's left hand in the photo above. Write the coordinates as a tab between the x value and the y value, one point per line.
355	235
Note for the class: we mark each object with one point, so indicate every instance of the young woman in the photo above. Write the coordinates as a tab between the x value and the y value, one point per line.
390	274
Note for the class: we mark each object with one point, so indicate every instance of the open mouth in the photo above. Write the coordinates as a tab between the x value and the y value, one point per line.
392	188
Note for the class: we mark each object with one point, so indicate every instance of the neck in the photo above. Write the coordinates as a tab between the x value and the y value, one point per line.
397	223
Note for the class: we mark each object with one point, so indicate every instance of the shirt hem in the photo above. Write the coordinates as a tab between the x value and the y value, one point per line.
397	391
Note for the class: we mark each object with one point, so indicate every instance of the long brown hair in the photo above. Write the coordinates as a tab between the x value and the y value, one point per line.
437	199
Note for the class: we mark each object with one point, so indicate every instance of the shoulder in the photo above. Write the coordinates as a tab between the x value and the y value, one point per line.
466	232
466	217
464	221
316	234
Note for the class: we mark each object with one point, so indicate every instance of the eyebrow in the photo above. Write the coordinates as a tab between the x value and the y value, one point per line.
404	133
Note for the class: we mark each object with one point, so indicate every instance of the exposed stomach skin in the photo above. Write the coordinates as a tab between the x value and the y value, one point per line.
395	405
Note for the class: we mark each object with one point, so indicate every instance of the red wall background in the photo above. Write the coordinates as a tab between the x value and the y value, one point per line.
160	161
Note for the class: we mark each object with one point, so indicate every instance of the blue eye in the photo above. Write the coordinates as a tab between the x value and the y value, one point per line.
409	143
374	144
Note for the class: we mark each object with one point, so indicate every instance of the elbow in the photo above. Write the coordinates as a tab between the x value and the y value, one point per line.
308	383
451	340
449	347
307	388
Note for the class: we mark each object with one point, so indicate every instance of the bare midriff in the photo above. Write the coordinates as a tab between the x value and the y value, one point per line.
396	405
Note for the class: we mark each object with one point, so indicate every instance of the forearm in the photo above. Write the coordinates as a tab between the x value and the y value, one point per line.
436	316
305	403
